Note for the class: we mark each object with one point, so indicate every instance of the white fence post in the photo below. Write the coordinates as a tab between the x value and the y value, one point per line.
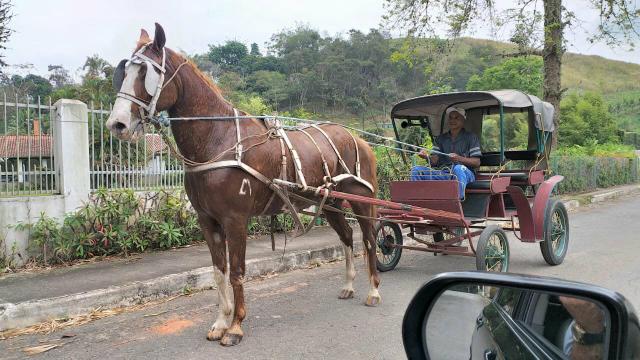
71	149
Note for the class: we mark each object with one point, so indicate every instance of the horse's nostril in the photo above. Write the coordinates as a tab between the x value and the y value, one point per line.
120	127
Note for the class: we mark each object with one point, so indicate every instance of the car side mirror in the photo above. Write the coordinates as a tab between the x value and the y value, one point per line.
482	315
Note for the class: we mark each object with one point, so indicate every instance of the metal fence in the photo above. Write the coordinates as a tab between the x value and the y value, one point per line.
27	164
114	164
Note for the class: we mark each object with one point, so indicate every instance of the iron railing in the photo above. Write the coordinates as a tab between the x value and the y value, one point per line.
27	164
114	164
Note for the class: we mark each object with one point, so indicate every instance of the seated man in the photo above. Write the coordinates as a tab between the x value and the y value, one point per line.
463	149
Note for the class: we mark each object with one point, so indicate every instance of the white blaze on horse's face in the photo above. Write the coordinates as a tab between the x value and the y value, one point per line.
124	123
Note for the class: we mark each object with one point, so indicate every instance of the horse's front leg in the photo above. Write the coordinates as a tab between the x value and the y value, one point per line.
236	231
216	241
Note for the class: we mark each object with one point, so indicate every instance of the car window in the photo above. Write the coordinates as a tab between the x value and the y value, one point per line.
507	299
548	317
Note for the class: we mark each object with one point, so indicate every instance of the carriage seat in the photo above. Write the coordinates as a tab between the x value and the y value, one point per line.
492	158
514	176
492	186
480	185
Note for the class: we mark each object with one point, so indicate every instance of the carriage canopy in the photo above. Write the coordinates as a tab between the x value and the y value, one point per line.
476	104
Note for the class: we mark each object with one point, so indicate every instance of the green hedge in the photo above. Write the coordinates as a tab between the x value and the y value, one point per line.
584	173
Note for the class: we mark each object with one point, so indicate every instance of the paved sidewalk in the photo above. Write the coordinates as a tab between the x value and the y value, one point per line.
30	297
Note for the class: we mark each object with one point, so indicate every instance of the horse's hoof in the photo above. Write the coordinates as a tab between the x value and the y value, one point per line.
215	334
372	300
345	294
230	339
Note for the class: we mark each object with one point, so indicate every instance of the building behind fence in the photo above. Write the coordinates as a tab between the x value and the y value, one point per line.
53	156
144	165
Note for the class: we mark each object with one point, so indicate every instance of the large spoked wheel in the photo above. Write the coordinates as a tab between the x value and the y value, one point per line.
387	233
492	251
556	233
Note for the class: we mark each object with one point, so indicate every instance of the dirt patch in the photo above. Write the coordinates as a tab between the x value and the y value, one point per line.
172	326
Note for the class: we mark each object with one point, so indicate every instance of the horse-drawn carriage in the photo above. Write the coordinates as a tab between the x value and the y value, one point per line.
238	166
504	196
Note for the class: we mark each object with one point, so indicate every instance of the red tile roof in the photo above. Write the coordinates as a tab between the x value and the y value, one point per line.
12	146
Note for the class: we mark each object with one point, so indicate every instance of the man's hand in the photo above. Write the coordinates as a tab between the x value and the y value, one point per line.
433	159
455	158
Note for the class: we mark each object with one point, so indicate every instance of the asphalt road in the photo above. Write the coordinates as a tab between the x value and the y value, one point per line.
298	315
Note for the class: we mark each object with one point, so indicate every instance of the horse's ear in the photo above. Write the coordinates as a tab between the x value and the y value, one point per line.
159	39
144	37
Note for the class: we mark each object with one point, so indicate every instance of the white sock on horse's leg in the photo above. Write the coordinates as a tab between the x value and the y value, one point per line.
225	308
347	289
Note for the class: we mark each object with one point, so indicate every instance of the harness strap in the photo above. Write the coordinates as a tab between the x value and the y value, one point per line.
362	181
253	172
355	143
238	138
324	161
344	166
283	176
294	154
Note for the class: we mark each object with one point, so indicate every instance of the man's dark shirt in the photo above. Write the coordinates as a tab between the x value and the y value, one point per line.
465	144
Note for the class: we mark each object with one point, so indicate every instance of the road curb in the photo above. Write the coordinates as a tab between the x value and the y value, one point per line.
577	201
32	312
609	195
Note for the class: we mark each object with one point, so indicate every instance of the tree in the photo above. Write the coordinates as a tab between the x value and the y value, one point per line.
96	82
271	85
255	50
522	73
59	76
33	85
96	67
586	119
229	56
5	31
618	22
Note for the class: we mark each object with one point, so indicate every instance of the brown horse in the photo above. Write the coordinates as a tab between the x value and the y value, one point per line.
226	198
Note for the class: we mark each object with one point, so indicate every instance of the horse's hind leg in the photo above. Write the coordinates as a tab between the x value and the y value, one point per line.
367	211
340	225
216	241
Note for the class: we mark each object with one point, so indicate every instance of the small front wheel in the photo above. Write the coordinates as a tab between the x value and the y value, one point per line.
387	256
492	251
556	233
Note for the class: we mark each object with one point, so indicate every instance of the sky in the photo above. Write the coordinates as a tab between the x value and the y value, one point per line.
67	31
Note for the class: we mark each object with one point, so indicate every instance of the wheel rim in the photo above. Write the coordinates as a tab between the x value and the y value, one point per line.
384	252
497	253
558	232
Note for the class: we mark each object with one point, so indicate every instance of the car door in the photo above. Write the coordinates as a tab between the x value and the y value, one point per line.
497	335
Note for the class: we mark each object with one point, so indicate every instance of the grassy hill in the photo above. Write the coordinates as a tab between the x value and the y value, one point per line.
617	81
579	72
595	73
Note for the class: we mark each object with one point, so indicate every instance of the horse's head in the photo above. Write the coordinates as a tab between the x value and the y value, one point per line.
142	86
